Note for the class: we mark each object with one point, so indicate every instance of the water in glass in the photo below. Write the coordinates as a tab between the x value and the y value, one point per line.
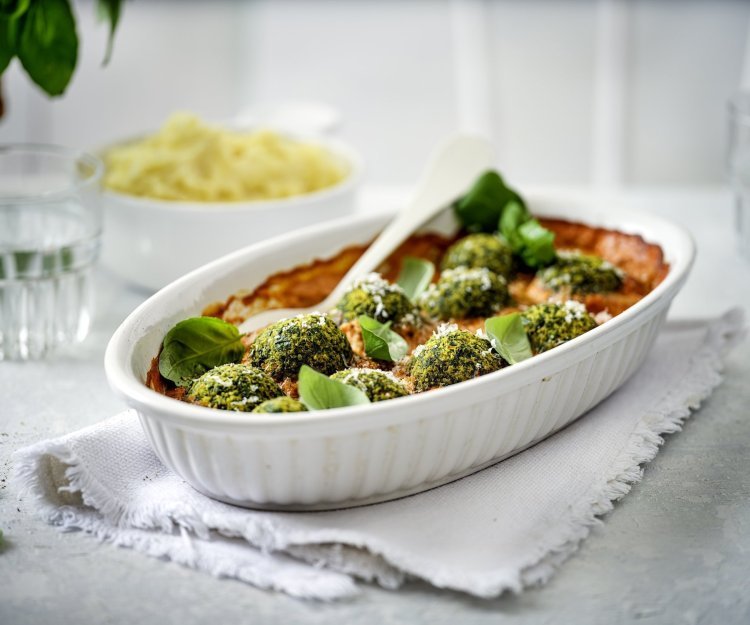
50	226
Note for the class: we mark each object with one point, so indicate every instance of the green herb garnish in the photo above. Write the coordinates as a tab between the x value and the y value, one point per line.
538	244
491	205
416	275
42	34
382	343
198	344
508	337
526	236
319	392
514	214
480	209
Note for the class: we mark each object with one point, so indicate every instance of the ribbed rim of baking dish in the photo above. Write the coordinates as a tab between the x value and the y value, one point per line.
122	378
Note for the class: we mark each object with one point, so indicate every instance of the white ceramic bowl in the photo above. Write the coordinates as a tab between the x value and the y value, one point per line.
363	454
152	242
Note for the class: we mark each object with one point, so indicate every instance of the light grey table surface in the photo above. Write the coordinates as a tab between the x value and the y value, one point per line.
675	550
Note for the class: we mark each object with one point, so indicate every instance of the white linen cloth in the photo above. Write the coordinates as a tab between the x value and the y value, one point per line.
501	529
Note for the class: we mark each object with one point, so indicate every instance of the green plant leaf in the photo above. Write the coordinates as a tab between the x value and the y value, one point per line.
8	29
13	9
48	44
198	344
380	341
480	209
319	392
416	275
538	244
508	337
109	10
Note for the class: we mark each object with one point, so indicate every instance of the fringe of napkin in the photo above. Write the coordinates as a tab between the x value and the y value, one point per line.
161	533
703	376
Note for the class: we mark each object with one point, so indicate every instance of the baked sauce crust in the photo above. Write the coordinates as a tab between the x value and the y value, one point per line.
303	286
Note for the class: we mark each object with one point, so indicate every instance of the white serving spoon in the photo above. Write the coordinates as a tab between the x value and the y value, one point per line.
451	170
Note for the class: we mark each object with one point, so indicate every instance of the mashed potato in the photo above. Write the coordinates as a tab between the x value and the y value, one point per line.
189	160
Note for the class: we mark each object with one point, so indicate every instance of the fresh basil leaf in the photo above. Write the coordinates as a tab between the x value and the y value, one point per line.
526	236
382	343
13	9
7	42
319	392
480	209
416	275
491	205
514	214
198	344
538	244
109	10
48	44
508	337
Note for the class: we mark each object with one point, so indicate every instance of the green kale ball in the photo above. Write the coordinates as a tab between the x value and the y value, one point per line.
377	385
313	340
281	404
451	356
480	250
233	387
464	292
377	298
580	274
549	325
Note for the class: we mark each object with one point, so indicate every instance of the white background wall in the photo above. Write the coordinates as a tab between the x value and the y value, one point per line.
571	91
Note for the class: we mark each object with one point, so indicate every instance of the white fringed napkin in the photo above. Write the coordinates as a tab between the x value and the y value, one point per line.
501	529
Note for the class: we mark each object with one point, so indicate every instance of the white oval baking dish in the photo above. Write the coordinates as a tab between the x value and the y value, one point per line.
364	454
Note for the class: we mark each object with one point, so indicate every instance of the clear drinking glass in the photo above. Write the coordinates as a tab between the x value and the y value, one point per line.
50	229
738	165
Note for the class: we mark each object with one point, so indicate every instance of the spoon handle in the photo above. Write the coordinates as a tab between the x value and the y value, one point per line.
451	170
